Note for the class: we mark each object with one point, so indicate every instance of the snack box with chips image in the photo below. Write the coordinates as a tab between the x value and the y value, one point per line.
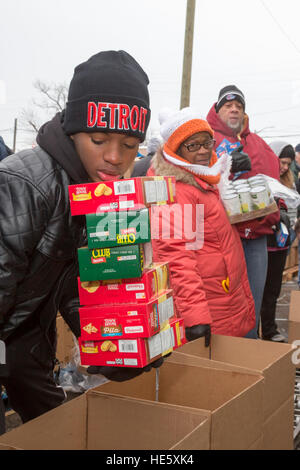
153	281
118	228
125	194
99	322
120	262
136	352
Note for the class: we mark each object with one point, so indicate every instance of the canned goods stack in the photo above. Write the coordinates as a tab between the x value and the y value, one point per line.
247	195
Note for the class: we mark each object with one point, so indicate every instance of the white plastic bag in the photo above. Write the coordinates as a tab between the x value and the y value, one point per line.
290	196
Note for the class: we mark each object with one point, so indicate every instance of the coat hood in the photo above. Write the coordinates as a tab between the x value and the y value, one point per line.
218	126
278	145
60	147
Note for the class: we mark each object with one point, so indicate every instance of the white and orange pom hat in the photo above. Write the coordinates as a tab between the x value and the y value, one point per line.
176	128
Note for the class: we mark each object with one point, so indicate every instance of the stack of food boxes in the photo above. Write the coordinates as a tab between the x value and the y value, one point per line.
127	312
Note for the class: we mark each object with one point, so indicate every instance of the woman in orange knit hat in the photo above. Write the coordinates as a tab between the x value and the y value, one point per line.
207	265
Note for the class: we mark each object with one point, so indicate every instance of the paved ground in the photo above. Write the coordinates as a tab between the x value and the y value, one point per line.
282	312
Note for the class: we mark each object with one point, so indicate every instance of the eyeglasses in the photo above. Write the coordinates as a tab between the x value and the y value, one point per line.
208	145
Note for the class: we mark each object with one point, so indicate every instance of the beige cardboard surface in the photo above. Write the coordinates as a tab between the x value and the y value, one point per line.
294	333
138	424
62	428
65	341
278	429
294	310
233	399
272	360
100	421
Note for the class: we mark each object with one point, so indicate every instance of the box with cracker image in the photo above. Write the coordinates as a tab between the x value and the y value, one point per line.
136	352
125	194
122	262
118	228
153	282
143	320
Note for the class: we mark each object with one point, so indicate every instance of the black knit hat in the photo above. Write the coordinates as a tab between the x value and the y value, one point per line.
108	93
287	152
230	93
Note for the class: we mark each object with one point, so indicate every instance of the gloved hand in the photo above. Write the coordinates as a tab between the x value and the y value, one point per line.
121	374
240	161
285	218
197	331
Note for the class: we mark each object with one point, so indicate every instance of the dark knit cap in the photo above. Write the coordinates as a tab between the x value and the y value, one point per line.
108	93
287	152
297	148
230	93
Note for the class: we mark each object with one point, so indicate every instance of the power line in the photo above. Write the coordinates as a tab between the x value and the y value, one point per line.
280	27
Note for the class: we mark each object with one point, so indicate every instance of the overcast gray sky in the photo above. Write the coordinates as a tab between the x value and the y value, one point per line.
254	44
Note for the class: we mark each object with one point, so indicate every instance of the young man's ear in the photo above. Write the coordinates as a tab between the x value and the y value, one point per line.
72	136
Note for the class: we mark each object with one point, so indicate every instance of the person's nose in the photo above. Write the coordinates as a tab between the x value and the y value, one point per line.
112	154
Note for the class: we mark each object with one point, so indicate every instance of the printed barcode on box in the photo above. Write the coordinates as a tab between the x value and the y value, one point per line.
128	346
124	187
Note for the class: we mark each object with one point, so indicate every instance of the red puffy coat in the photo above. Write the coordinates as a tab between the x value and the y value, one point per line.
210	283
263	160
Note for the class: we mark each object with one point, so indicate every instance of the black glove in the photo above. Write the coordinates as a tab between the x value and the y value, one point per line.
285	218
240	161
121	374
197	331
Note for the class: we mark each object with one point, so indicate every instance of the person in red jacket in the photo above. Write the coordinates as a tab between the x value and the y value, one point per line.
229	121
207	265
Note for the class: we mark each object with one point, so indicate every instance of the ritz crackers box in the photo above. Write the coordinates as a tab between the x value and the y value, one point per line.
126	194
153	281
118	228
128	321
136	352
119	262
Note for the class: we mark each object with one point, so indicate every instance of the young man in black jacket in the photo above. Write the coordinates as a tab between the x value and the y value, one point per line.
96	138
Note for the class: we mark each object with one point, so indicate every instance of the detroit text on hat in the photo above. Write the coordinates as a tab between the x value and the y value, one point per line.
116	116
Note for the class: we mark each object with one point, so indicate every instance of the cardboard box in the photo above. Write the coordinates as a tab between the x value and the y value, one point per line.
65	341
96	421
231	399
126	321
271	360
122	262
136	352
126	194
154	281
118	228
294	310
278	428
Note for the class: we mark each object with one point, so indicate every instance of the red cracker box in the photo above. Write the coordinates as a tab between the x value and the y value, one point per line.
136	352
153	281
126	194
126	320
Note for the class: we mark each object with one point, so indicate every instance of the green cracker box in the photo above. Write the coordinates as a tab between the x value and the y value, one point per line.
121	262
118	228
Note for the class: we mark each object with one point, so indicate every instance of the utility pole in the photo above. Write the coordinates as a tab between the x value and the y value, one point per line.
188	54
15	135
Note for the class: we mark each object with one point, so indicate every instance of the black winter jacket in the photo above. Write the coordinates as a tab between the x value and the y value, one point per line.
38	236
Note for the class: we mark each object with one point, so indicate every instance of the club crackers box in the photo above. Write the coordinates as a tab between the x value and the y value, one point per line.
125	194
129	321
136	352
121	262
154	281
118	228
